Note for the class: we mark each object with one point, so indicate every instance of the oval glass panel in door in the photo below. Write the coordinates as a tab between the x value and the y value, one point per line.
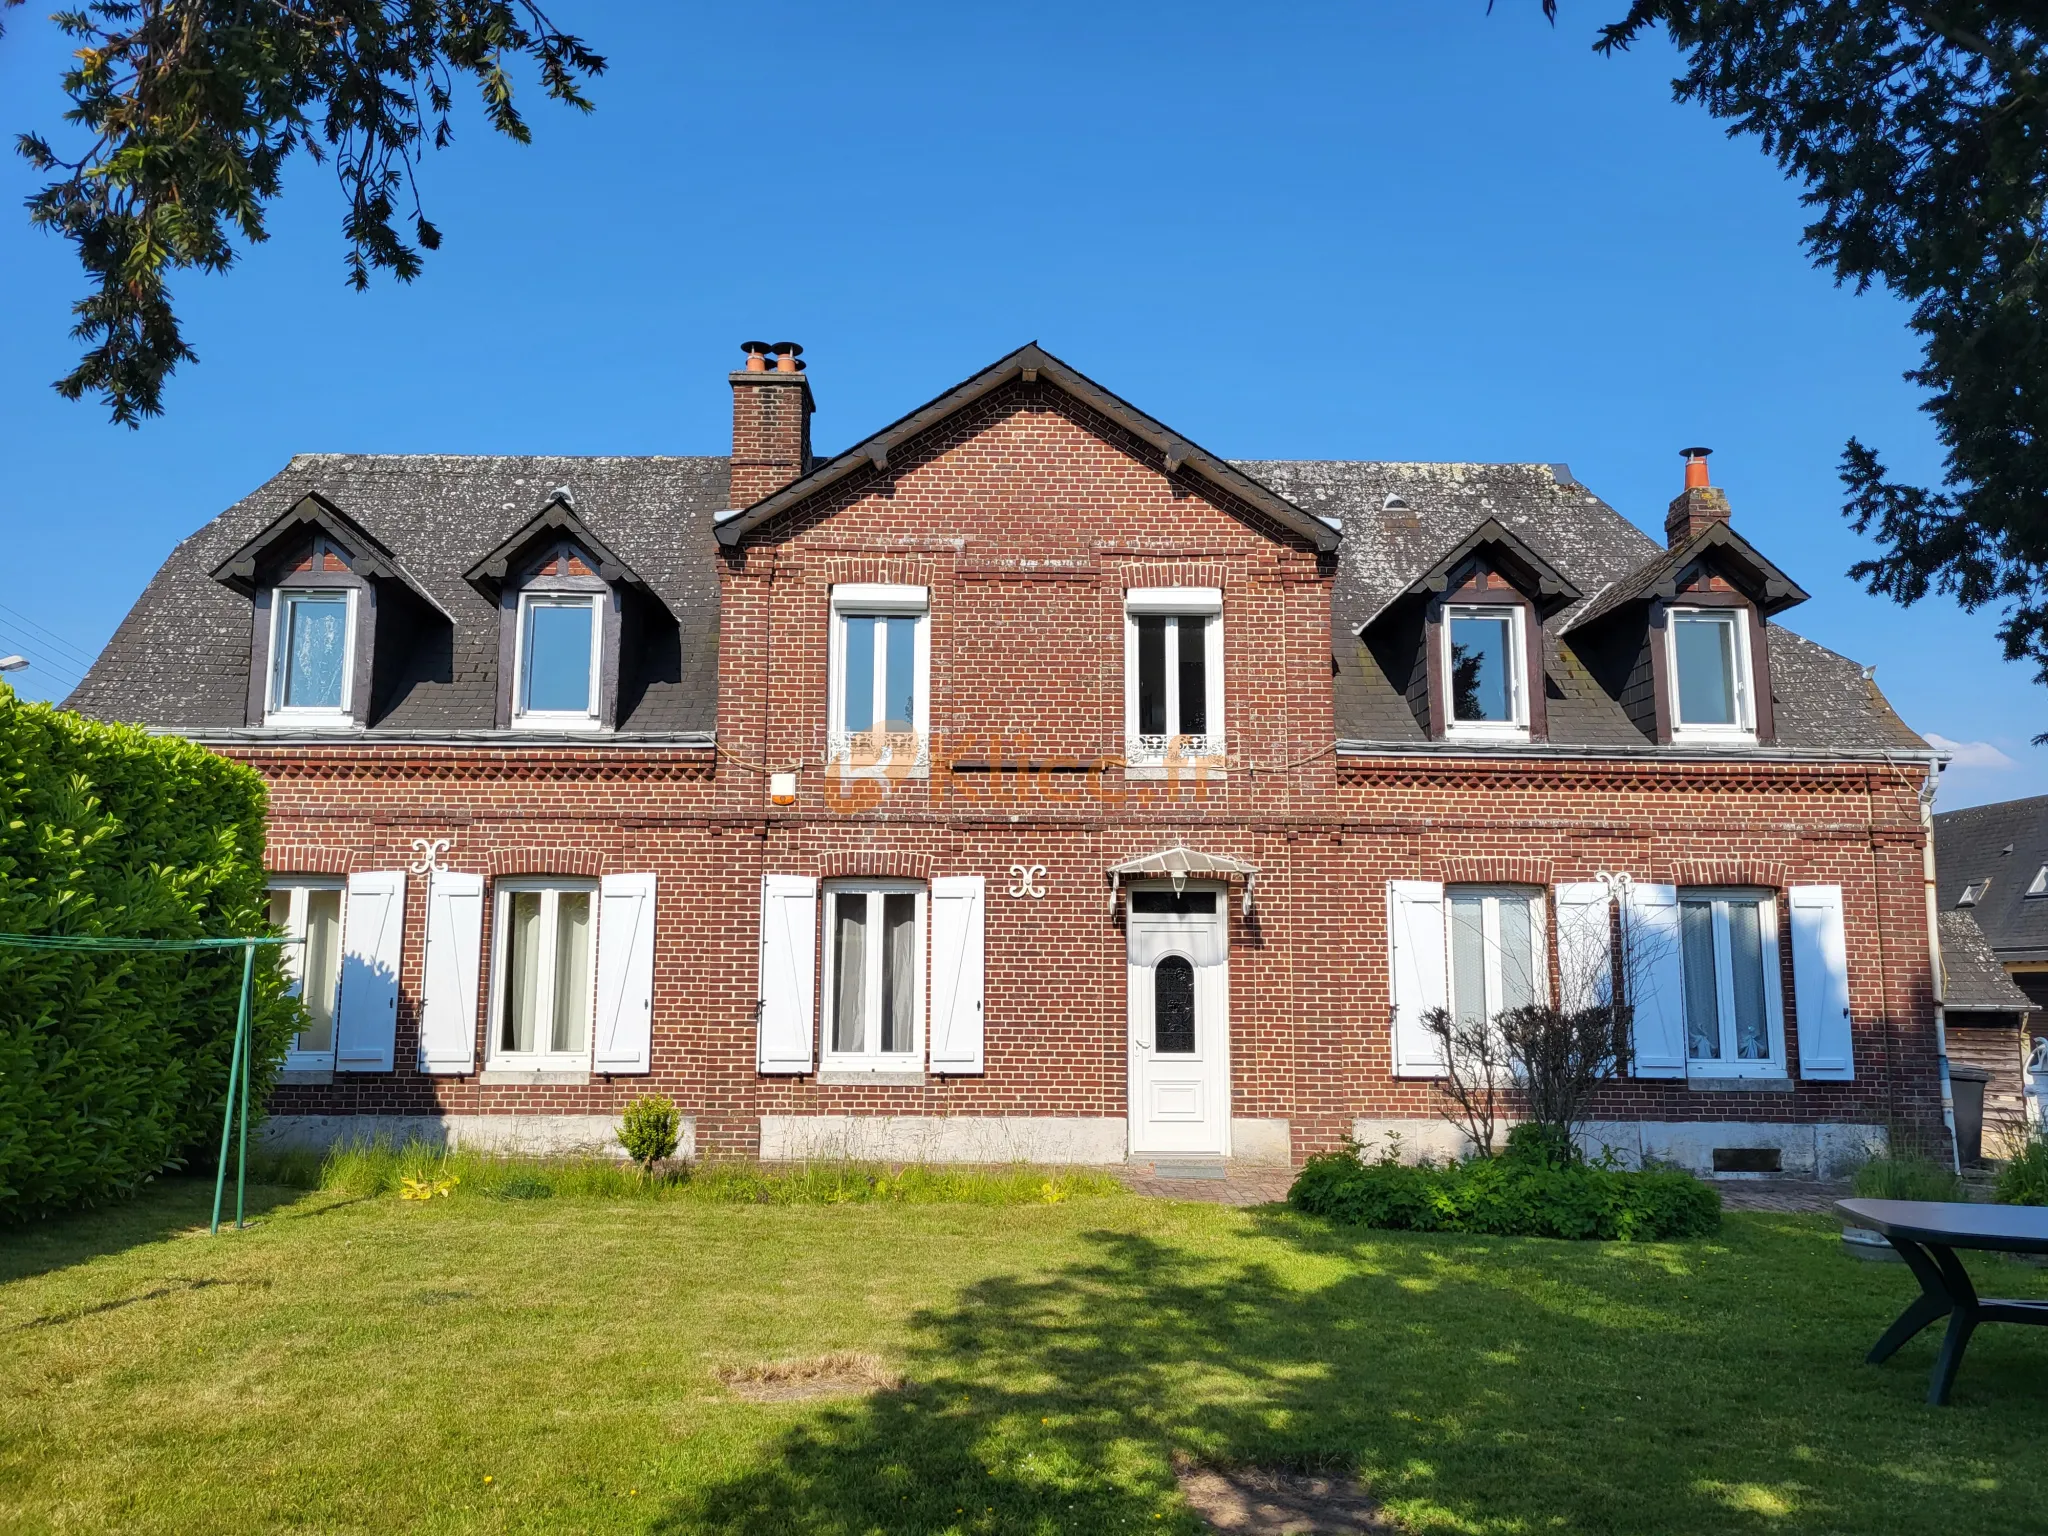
1173	1007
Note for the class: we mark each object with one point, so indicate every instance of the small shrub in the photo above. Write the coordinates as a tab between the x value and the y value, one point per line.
650	1129
1907	1176
1519	1196
1540	1146
2024	1178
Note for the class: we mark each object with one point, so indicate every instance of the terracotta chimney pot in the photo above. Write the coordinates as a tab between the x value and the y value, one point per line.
1699	506
771	421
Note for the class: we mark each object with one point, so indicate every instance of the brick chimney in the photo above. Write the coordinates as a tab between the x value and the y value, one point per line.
1698	505
771	421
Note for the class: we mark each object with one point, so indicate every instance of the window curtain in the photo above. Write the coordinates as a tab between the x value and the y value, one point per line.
849	992
522	972
1702	1001
899	971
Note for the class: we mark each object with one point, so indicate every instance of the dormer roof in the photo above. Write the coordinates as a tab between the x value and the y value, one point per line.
1034	364
555	521
1665	573
1493	543
313	514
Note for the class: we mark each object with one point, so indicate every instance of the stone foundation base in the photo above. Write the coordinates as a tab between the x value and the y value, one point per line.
941	1139
987	1139
542	1135
1822	1151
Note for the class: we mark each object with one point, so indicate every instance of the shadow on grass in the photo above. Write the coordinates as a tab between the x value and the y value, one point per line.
1477	1384
161	1210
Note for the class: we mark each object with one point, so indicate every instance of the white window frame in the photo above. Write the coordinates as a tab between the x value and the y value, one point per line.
497	1058
879	600
275	711
294	959
558	719
912	1060
1155	757
1730	1065
1489	932
1743	732
1516	728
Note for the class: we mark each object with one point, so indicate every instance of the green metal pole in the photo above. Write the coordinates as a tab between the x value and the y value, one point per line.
227	1113
245	1032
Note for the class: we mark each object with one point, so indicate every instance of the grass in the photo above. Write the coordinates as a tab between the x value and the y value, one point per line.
1907	1177
361	1363
2024	1178
364	1170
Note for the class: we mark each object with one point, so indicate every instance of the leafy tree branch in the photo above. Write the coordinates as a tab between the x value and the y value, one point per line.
1919	129
188	110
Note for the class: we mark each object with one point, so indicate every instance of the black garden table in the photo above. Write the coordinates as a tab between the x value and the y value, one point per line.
1927	1234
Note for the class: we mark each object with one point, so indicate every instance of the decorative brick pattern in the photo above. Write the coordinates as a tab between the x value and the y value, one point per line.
555	859
877	863
1496	872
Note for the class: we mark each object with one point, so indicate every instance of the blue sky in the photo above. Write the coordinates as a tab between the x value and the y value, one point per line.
1360	231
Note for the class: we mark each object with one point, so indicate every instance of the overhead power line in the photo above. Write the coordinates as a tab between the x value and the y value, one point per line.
50	637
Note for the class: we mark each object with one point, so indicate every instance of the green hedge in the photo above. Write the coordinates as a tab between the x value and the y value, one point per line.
113	1066
1508	1197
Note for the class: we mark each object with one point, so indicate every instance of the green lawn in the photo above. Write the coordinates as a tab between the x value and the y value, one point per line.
473	1364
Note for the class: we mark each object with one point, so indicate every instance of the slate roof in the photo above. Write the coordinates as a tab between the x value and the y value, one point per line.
1972	846
1972	979
180	660
1823	701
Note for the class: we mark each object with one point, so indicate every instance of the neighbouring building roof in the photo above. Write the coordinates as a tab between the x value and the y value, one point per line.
2006	845
1973	981
181	658
1399	519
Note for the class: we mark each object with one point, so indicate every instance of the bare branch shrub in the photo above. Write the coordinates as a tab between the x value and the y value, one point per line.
1548	1059
1477	1074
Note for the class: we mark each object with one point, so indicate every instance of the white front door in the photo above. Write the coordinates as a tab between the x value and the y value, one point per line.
1179	1025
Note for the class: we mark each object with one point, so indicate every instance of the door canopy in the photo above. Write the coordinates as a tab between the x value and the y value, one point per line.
1181	864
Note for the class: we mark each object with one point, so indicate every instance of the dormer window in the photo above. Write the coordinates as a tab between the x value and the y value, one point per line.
312	649
576	626
1710	670
1485	673
333	615
560	644
1173	678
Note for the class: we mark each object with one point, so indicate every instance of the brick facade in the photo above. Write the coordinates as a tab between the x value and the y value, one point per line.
1027	516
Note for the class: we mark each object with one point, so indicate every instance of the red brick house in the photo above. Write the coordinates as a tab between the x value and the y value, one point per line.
1027	782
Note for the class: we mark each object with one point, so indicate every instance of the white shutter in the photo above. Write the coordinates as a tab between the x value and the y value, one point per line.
787	1009
957	936
1415	929
455	932
1820	983
1654	970
373	933
1585	944
625	973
